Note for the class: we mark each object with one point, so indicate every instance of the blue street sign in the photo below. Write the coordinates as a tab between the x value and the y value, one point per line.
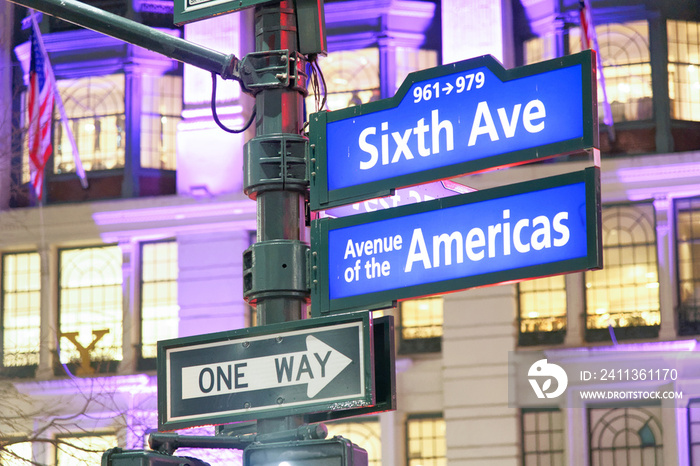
531	229
451	120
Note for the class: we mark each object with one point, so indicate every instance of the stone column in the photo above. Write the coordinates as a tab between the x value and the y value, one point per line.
479	332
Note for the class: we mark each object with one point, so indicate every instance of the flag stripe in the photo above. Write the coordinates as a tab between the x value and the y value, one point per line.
585	32
40	111
589	40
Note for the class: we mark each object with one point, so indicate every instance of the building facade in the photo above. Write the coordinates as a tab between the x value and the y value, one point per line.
93	278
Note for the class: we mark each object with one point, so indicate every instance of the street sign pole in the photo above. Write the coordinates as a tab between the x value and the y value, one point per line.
275	173
279	201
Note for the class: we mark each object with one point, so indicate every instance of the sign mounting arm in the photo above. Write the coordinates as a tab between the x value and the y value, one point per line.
87	16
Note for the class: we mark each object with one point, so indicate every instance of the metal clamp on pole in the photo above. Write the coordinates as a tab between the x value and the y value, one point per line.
275	268
167	443
275	162
274	69
304	432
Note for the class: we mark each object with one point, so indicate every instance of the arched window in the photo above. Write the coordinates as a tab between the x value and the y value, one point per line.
625	436
90	303
95	107
351	78
366	434
624	50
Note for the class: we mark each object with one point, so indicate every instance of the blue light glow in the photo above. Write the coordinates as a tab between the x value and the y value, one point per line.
528	229
453	119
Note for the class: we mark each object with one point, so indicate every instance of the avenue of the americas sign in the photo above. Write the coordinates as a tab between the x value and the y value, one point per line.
306	366
451	120
535	228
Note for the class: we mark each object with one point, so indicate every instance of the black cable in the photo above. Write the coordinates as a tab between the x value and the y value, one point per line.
316	67
323	81
216	117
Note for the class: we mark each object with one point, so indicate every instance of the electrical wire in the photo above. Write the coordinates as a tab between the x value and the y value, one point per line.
216	117
318	88
320	93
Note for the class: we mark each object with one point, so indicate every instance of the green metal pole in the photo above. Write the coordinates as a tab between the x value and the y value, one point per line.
280	211
278	113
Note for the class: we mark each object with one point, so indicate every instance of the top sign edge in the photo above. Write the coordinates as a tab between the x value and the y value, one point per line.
488	61
257	332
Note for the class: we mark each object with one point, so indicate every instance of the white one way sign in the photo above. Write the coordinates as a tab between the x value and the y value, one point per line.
315	367
308	366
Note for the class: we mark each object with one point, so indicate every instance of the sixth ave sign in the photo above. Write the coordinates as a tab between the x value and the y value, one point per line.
276	370
451	120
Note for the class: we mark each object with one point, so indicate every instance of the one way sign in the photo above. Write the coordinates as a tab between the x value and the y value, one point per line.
315	368
276	370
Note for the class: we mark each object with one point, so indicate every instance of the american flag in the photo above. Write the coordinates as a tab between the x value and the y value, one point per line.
587	29
40	110
589	40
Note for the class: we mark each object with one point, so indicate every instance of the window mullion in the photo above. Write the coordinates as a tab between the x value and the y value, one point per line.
128	250
48	312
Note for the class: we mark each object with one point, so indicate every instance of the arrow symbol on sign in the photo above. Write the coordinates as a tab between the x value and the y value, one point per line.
449	88
316	367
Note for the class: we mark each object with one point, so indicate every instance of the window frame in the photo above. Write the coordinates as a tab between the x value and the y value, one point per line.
145	148
626	408
58	438
361	442
641	108
72	83
100	365
407	438
550	433
418	345
339	66
686	326
144	363
552	337
677	113
28	371
694	461
631	331
13	440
